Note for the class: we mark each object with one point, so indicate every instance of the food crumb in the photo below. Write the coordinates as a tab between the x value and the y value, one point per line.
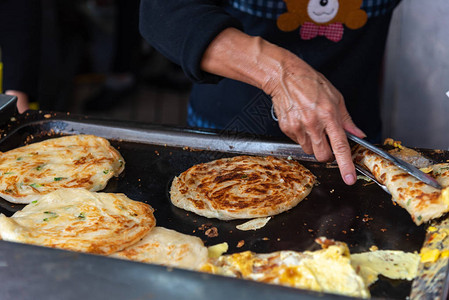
46	116
383	229
278	239
344	231
211	232
367	219
265	239
203	226
240	243
373	248
332	191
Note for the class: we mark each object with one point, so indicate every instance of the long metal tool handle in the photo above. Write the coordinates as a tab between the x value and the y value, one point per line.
412	170
366	173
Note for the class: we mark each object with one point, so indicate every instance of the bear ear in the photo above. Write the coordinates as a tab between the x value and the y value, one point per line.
288	21
356	19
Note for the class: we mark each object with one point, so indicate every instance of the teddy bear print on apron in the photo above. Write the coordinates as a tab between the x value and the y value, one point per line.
326	18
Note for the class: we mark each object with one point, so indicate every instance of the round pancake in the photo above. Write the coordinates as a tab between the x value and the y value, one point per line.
242	187
78	161
79	220
168	248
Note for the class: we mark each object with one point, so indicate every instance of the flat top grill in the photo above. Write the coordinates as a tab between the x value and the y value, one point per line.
362	215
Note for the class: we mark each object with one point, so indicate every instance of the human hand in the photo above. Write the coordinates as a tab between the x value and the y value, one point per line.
312	112
309	108
22	100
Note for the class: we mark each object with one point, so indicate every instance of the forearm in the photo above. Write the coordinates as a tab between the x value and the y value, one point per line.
253	60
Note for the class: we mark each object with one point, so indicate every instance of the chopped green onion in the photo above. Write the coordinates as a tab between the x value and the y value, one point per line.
409	201
106	171
81	216
35	201
419	218
35	185
8	173
51	215
60	178
19	158
39	167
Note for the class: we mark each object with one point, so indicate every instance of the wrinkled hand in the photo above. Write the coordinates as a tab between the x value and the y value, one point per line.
312	112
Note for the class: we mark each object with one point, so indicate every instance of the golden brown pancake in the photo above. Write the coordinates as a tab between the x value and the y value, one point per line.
79	220
78	161
167	247
423	202
242	187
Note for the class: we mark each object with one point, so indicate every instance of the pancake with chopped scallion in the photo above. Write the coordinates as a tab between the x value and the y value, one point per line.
79	220
77	161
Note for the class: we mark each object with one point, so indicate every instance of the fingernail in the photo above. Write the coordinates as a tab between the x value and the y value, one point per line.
349	179
362	133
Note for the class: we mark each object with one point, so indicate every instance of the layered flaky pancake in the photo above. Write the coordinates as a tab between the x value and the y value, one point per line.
167	247
78	161
423	202
79	220
242	187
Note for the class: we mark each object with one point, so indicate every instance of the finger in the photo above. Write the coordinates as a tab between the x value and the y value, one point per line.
315	130
342	152
305	143
321	147
293	128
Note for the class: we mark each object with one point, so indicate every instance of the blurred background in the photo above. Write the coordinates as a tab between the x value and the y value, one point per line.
94	62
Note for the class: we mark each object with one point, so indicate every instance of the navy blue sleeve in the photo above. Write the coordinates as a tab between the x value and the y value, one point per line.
182	30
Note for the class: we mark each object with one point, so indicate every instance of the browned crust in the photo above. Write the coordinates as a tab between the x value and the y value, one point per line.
242	187
422	201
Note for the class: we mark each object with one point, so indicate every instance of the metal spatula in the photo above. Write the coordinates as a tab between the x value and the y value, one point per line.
412	170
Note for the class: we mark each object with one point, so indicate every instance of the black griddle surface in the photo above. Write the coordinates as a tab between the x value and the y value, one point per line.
361	215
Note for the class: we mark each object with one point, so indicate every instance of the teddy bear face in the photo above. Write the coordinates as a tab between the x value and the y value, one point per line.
335	13
322	11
